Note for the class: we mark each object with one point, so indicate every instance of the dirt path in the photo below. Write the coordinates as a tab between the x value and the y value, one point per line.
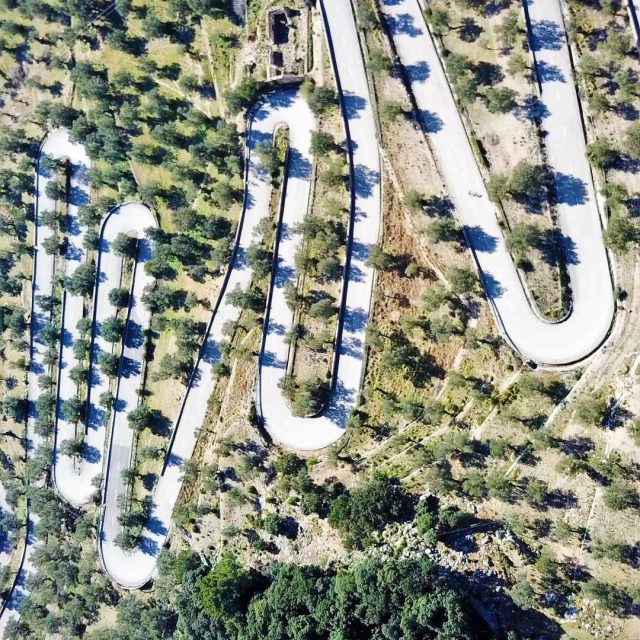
214	77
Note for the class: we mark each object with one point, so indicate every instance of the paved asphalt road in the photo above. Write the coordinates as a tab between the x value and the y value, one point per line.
559	343
593	306
74	479
56	146
131	219
283	106
72	313
321	431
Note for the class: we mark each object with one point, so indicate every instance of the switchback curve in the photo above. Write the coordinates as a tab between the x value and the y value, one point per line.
133	569
311	433
587	326
56	146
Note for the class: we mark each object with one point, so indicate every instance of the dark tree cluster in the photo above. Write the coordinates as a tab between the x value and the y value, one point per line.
307	397
404	597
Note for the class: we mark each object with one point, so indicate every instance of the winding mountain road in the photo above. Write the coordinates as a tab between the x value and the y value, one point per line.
321	431
561	343
132	219
588	324
75	479
57	146
281	107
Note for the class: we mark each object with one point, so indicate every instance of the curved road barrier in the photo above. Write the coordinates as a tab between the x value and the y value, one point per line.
576	337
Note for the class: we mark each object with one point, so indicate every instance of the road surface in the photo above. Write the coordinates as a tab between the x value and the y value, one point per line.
323	430
559	343
283	106
592	310
132	219
74	478
57	146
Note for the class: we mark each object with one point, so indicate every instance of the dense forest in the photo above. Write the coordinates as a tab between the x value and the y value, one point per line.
372	598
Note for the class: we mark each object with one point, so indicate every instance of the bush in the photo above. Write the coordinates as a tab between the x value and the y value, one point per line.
537	492
380	259
406	596
259	259
527	180
252	299
223	590
14	408
119	297
320	99
322	143
601	154
379	62
523	238
390	110
73	409
323	309
125	246
591	410
307	397
367	18
288	464
359	513
109	364
414	200
500	99
618	496
463	281
111	329
611	549
606	595
83	279
141	418
272	524
443	230
243	96
497	187
621	233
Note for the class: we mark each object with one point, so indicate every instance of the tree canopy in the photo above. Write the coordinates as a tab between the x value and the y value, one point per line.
405	598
